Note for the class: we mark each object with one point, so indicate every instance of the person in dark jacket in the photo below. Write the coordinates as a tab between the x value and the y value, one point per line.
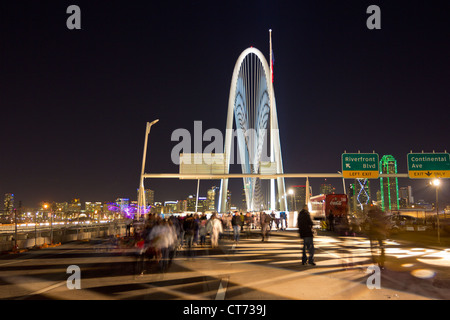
237	223
305	228
190	227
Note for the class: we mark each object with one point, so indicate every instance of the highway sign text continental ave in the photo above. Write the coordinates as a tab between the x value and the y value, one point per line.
428	165
360	165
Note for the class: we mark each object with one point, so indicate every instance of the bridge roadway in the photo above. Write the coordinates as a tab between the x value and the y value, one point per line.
249	270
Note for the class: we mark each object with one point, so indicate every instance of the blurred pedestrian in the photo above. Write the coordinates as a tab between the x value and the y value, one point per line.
190	228
305	229
283	220
202	231
214	228
265	221
331	221
142	249
162	239
377	223
237	223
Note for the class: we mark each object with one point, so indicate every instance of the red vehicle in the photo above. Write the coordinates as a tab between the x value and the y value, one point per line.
323	204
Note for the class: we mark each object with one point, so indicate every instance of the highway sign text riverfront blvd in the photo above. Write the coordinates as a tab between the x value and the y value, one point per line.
428	165
360	165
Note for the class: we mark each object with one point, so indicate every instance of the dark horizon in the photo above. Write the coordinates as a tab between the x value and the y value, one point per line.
75	102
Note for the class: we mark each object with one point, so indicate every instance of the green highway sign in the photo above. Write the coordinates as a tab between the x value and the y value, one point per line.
360	165
428	165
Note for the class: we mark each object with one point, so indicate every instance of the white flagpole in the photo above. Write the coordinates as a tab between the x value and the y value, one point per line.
272	153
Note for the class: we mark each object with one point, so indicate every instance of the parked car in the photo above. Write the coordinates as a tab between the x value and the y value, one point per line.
400	222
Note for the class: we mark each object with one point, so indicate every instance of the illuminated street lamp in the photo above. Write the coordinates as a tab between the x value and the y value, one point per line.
35	228
46	206
436	182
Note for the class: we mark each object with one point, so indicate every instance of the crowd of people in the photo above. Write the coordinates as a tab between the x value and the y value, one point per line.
159	238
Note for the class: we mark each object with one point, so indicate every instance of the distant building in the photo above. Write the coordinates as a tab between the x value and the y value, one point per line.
74	206
158	208
170	206
244	201
93	209
8	205
299	196
122	204
202	205
182	206
327	188
8	202
406	200
149	197
62	206
190	205
211	198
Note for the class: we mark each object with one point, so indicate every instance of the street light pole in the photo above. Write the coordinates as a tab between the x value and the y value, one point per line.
343	182
15	229
141	196
196	196
35	228
436	183
45	206
51	225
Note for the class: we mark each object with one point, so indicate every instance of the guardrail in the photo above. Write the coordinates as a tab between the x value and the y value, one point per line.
30	235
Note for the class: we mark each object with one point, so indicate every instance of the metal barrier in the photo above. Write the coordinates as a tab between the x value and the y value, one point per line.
27	236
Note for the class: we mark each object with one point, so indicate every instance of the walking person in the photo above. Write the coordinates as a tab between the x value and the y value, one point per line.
237	223
377	235
283	220
162	239
190	228
331	221
266	222
202	231
214	228
305	229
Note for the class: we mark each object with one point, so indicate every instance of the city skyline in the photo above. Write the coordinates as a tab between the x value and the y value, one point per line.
405	199
75	102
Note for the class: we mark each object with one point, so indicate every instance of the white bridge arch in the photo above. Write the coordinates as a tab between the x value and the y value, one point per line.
252	105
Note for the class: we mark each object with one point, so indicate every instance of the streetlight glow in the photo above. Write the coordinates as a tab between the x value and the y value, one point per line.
436	182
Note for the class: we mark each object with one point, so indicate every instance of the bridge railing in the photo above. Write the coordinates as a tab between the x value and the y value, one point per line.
29	236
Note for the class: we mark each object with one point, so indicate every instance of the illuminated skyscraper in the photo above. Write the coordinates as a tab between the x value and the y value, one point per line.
406	198
211	196
149	195
359	194
9	202
299	194
388	185
327	188
8	205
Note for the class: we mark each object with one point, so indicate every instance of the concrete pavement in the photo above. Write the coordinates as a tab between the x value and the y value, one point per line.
249	270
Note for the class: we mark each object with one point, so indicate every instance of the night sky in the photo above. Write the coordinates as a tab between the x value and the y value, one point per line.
74	103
